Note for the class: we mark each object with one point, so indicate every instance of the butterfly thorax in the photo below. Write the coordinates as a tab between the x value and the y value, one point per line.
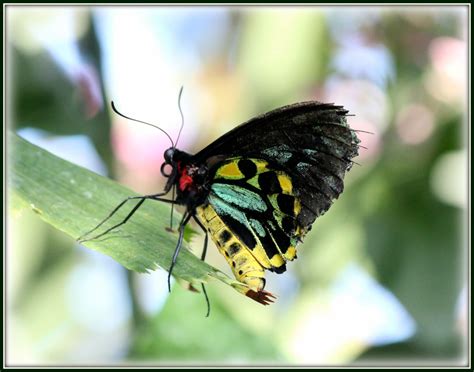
192	183
190	179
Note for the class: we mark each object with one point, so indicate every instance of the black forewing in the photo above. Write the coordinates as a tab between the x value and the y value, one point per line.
321	120
310	141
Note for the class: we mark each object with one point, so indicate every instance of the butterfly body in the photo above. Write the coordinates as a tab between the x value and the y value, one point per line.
258	189
191	181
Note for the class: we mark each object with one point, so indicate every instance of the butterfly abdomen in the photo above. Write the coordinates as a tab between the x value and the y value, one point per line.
245	267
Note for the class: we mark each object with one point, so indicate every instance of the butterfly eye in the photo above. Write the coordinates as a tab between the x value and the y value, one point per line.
169	155
166	169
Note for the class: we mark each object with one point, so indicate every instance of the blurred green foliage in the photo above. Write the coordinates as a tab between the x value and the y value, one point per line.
42	96
388	220
181	333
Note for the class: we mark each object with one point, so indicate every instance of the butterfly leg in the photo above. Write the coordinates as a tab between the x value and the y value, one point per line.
184	221
204	250
138	205
173	191
203	257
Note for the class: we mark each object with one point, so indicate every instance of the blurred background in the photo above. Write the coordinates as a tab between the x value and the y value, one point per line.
382	277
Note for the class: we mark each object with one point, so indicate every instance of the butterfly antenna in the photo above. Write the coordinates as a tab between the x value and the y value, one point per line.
143	122
182	116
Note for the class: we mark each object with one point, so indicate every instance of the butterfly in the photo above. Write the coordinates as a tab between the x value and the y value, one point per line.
257	189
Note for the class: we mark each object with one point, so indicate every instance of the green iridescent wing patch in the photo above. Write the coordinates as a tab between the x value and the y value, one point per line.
257	204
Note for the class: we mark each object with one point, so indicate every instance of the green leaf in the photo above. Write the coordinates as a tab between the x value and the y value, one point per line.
74	200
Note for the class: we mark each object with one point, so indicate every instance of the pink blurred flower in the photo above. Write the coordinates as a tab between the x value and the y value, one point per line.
447	81
415	124
87	82
140	151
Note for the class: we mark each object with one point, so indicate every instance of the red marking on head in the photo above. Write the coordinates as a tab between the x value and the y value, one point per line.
185	181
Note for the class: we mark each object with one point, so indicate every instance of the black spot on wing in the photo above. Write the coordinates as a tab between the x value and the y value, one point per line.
280	238
244	234
279	270
269	245
286	203
268	182
247	167
288	225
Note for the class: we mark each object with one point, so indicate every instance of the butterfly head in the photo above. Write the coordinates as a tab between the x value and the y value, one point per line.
169	155
183	172
175	161
170	165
